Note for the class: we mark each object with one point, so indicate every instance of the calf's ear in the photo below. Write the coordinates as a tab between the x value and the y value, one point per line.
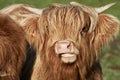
106	29
33	35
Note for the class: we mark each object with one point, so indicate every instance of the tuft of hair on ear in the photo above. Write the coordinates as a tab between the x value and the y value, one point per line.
106	30
31	29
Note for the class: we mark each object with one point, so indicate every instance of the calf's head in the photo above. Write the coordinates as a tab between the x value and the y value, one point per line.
75	32
71	33
68	37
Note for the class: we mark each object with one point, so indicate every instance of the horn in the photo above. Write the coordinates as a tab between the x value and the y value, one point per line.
54	5
74	3
102	9
34	10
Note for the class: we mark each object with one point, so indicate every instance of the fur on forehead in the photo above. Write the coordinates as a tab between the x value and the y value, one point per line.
64	17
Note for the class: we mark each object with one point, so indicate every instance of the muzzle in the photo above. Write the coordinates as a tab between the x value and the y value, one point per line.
66	50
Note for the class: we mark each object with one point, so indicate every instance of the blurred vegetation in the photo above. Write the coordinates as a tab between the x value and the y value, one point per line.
110	54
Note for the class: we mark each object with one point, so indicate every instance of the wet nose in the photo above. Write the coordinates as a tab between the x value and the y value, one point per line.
64	47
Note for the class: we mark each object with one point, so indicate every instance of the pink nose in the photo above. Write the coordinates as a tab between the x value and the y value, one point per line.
64	47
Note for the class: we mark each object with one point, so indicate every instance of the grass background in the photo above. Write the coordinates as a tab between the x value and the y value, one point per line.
110	54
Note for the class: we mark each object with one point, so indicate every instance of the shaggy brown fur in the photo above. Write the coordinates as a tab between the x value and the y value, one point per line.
12	48
87	29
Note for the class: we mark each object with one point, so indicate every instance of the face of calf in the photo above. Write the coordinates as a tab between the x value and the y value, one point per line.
65	30
75	33
71	33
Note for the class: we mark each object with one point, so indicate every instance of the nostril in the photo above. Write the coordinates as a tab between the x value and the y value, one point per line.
69	45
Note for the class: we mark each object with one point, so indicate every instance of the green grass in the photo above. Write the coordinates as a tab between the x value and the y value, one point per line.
111	67
110	54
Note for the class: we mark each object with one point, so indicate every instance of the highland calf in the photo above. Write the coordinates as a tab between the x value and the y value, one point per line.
67	39
12	48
